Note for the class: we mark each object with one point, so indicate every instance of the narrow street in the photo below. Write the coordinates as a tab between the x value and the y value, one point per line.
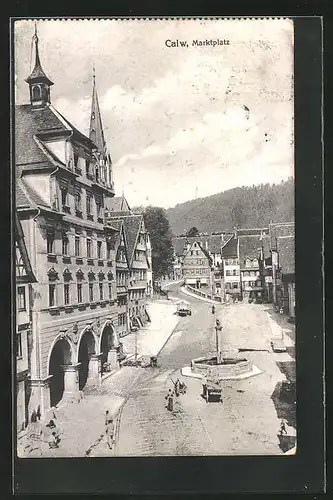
246	422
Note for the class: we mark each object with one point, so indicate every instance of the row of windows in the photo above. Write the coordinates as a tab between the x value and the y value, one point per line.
122	319
135	311
92	204
136	294
232	272
90	247
228	286
139	256
231	262
253	283
68	298
251	274
253	263
199	262
199	270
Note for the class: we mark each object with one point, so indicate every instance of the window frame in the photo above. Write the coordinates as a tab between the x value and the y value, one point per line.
19	296
52	286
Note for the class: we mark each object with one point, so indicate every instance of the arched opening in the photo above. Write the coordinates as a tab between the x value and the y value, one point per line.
61	355
36	93
107	343
86	350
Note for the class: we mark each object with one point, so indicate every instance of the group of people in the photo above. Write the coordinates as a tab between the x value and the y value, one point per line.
179	388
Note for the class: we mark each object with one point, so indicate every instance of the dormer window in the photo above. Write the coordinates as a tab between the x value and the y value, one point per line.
248	263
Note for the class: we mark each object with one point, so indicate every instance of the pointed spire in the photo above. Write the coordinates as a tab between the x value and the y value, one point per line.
37	75
96	133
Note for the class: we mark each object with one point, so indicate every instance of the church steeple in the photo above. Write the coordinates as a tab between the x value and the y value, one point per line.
96	133
39	83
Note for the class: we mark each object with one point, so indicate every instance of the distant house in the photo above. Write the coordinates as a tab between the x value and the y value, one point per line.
197	266
230	267
250	261
282	239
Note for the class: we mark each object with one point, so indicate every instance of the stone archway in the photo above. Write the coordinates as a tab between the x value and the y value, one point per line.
108	348
61	355
86	351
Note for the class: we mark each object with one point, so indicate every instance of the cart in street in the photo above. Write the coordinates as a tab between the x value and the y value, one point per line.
212	388
184	308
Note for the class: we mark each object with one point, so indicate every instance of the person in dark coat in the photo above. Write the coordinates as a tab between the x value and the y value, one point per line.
170	399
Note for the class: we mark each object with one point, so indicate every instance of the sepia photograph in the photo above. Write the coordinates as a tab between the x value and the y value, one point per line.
155	308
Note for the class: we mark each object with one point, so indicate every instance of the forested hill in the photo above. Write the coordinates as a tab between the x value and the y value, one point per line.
242	207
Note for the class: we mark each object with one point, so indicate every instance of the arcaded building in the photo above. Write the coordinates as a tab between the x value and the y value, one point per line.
78	304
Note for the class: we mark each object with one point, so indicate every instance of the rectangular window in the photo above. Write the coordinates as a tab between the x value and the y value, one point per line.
89	205
64	195
21	304
76	160
99	249
77	246
98	208
66	294
108	250
18	345
100	291
228	272
110	291
65	244
89	248
79	293
234	272
78	202
50	242
91	292
51	295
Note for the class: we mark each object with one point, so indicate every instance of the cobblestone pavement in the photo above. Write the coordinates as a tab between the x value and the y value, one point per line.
245	423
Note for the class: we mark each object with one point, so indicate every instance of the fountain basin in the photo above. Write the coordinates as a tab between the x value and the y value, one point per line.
229	368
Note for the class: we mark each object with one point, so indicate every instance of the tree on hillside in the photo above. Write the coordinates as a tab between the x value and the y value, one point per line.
157	224
192	232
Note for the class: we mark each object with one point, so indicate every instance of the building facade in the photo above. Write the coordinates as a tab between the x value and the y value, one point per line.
250	261
197	267
282	240
80	302
24	278
231	269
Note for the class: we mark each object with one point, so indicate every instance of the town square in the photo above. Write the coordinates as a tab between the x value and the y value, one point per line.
154	239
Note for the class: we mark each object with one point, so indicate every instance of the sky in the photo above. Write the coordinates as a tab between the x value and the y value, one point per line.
180	122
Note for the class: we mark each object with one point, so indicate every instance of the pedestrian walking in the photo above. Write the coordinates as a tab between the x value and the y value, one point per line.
283	429
177	387
170	399
109	431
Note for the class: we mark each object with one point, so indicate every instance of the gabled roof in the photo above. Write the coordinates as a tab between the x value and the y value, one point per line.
249	248
286	251
35	122
196	244
118	204
229	249
132	224
26	196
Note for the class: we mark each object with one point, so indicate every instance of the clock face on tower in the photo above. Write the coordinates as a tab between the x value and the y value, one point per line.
93	116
